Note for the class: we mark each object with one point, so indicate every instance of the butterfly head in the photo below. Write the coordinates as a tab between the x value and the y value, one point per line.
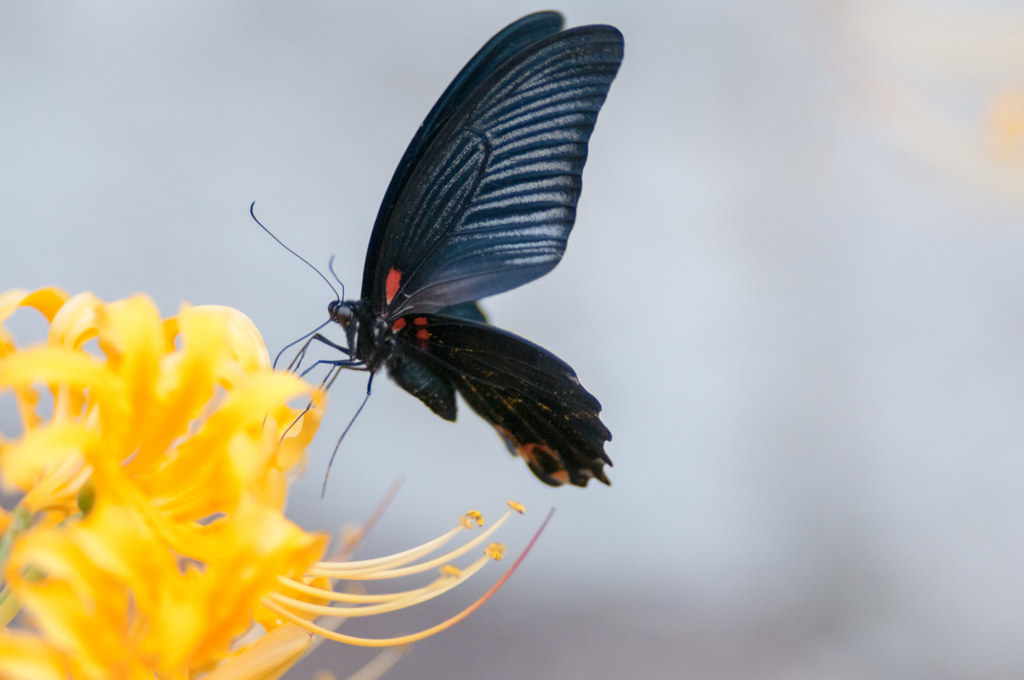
366	332
340	312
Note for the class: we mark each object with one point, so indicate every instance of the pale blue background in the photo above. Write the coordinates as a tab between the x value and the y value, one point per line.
806	325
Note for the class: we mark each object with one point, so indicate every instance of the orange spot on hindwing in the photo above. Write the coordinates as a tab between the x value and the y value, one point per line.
391	285
423	334
544	462
398	325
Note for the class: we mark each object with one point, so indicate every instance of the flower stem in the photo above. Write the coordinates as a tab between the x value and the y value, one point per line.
10	605
21	519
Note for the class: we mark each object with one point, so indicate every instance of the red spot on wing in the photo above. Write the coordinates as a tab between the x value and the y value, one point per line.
398	325
422	334
391	285
420	321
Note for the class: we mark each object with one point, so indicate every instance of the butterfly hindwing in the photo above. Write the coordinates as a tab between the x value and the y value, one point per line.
469	310
513	39
491	200
427	386
529	395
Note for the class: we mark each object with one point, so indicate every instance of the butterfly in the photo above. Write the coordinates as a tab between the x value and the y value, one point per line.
483	201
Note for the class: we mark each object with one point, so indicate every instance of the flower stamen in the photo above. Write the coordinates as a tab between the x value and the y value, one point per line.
342	570
401	601
406	639
403	557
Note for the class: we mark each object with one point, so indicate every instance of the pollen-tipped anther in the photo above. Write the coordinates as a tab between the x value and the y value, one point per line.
518	507
496	551
476	517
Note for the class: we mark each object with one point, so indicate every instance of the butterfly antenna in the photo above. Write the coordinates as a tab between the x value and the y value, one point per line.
253	214
330	265
327	474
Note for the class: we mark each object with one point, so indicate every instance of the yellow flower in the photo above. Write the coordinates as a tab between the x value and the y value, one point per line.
150	540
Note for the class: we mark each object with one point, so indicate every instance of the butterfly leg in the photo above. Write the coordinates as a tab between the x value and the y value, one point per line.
329	343
301	355
369	386
351	364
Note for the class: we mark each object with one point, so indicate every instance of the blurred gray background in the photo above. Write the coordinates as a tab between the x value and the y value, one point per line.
795	284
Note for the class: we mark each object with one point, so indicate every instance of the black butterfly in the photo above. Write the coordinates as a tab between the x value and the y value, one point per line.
482	202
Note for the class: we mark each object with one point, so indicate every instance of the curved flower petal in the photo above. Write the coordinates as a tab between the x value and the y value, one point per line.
26	657
74	324
48	301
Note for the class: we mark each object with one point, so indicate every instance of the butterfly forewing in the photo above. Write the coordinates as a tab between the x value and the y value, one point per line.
492	199
529	395
499	49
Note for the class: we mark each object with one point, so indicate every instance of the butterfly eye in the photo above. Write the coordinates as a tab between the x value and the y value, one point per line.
340	312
